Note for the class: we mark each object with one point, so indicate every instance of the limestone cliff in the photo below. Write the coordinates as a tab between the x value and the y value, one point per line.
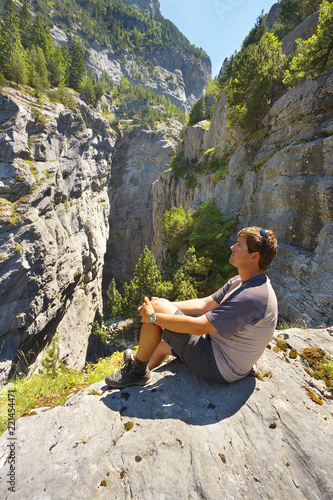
75	212
279	178
54	209
140	157
180	438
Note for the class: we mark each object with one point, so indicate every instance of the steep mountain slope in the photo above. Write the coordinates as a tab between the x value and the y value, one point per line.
137	42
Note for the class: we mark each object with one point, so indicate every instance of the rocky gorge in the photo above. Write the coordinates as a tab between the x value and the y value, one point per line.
80	197
79	202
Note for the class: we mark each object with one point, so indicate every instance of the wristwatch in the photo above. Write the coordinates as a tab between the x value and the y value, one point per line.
152	318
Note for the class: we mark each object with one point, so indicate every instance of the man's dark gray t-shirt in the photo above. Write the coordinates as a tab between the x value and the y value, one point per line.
245	321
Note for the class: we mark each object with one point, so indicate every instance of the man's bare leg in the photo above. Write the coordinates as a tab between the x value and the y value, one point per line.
161	352
150	337
136	370
151	347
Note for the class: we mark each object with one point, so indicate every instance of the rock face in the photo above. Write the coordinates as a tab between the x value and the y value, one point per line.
281	179
179	77
68	222
54	209
303	31
138	160
181	438
150	6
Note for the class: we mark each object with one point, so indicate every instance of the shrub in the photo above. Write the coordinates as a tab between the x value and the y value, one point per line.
314	55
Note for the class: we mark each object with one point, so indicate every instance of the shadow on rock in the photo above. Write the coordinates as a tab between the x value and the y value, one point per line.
175	393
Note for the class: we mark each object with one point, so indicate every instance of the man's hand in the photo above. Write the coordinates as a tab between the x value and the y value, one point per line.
146	310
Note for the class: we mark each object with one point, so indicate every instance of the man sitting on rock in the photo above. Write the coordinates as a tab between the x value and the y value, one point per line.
218	337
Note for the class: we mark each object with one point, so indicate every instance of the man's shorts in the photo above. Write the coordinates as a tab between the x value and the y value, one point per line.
196	352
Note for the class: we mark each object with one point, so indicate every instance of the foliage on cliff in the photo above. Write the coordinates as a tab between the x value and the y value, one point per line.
117	23
258	70
153	107
202	237
291	13
213	163
28	55
256	76
314	55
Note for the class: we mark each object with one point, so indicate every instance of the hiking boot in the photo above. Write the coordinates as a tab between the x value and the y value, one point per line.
130	374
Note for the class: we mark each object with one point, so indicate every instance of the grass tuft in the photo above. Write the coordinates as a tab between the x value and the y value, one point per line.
52	388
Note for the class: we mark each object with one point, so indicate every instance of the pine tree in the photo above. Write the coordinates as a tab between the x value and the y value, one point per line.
114	303
17	71
38	74
257	83
77	65
183	288
57	67
87	89
256	33
198	111
147	277
25	24
40	36
12	59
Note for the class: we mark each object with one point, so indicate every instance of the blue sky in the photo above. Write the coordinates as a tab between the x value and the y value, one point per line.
218	26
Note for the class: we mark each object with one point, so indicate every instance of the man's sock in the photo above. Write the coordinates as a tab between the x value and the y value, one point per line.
140	365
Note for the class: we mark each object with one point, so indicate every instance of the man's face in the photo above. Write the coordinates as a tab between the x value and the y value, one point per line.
240	256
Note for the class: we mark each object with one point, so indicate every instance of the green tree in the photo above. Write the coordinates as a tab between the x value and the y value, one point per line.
38	74
211	232
114	303
257	82
146	276
147	281
193	275
314	55
183	288
181	166
57	67
291	13
40	36
227	71
77	65
177	226
203	235
25	24
256	33
87	89
12	60
198	111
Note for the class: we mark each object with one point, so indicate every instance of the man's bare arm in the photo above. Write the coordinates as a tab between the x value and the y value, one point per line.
185	324
177	323
196	306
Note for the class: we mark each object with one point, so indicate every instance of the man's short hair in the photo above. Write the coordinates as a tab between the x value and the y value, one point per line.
264	243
